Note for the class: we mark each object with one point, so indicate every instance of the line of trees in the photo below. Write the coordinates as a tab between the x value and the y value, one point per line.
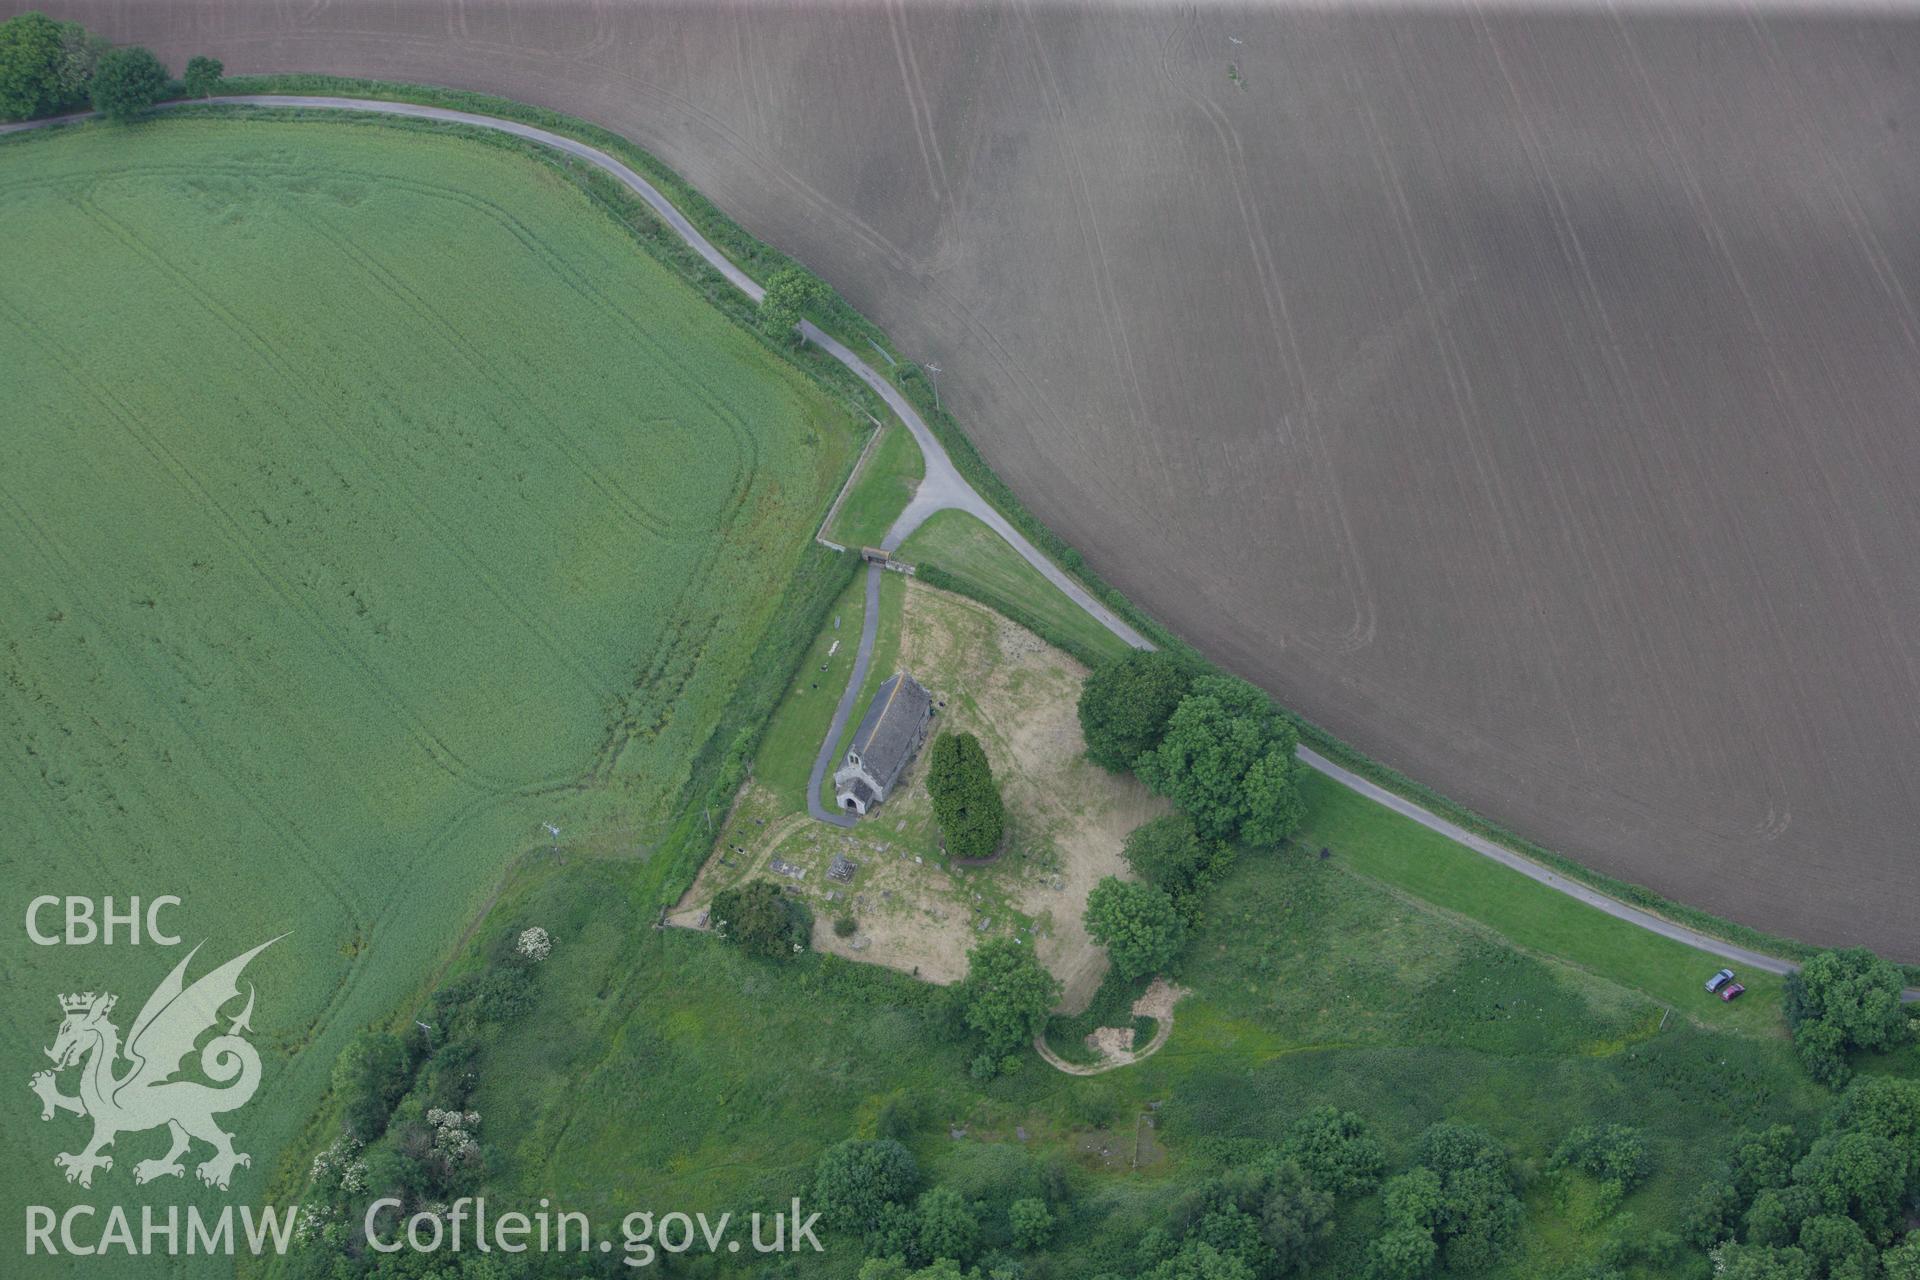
1219	749
407	1126
48	67
1271	1209
1267	1218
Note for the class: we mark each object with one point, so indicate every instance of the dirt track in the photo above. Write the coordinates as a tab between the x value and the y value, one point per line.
1157	1004
1619	314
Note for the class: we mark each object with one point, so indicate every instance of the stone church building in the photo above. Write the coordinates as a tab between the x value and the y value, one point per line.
890	734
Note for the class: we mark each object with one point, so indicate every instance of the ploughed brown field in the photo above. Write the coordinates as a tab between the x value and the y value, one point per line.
1532	399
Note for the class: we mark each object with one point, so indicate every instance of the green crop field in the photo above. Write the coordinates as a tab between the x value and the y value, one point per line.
371	499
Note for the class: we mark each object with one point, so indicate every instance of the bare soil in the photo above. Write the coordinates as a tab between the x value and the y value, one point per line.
1115	1044
1526	396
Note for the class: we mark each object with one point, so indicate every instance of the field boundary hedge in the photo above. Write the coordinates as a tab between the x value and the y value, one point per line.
721	766
838	317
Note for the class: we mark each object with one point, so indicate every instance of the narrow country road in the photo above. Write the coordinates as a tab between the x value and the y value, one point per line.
1552	879
944	488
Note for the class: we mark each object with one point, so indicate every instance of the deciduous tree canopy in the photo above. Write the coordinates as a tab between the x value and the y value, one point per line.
1005	995
1170	855
202	76
1125	705
1335	1149
1029	1223
1838	1211
1615	1154
30	62
946	1226
127	81
80	53
1136	923
1456	1206
1841	1001
761	920
1269	1216
790	291
853	1181
1227	759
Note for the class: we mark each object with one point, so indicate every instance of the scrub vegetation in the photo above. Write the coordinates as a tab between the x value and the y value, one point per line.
1373	1067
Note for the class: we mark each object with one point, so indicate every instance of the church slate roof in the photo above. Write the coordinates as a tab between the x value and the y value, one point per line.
890	732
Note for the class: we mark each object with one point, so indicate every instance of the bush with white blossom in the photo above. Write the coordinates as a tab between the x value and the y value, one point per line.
338	1173
453	1133
535	944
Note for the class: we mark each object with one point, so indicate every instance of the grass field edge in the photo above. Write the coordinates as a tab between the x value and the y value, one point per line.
847	486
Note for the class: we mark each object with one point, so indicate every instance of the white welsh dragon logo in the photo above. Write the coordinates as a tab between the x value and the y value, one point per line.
146	1095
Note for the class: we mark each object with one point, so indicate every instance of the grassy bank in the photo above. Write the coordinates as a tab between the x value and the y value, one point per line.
787	749
881	491
1536	918
956	552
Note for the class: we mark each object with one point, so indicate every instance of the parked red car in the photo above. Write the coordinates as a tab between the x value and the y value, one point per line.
1731	991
